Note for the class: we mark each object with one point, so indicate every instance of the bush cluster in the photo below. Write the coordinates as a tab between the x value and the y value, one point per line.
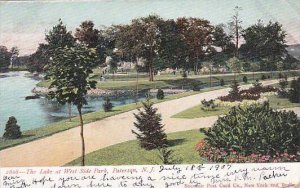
256	133
208	105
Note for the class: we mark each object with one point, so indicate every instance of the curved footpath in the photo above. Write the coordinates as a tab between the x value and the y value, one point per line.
63	147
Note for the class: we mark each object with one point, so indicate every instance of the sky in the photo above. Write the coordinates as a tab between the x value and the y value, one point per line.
24	23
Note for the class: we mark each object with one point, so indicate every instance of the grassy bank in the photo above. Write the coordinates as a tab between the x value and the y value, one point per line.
197	112
63	125
129	153
128	82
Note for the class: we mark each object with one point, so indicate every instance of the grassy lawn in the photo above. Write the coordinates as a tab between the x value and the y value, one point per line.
63	125
197	112
130	153
128	82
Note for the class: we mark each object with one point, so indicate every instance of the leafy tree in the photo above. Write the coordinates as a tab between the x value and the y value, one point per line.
14	56
150	133
5	56
172	50
12	130
68	72
197	35
223	40
59	37
39	59
235	65
264	43
235	26
87	35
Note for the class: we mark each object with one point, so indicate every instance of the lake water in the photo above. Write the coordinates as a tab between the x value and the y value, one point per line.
30	114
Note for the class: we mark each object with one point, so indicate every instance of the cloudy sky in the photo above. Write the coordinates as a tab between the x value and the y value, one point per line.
24	23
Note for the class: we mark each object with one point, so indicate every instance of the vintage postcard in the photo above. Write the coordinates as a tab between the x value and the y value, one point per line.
128	93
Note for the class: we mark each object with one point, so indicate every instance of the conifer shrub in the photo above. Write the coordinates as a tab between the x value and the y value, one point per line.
247	134
222	83
294	93
107	105
245	79
12	130
150	132
160	94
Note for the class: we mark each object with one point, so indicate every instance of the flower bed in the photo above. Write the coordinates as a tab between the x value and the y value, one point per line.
253	93
221	155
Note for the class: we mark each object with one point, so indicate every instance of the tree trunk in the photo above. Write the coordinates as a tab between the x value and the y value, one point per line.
237	38
70	111
82	137
137	87
150	72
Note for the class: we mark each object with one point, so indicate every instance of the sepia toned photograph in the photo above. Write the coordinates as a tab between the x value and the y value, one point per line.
128	82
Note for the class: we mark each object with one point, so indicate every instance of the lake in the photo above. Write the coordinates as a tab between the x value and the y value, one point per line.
30	114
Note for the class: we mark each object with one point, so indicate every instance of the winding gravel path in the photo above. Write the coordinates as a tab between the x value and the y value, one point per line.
63	147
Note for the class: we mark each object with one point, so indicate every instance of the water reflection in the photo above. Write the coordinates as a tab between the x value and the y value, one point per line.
15	86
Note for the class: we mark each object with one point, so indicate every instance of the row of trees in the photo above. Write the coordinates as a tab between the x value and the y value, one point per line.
8	57
182	43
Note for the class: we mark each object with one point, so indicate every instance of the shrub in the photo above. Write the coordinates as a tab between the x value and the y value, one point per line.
280	75
269	77
263	77
234	88
150	133
208	105
160	94
245	79
184	74
294	93
195	86
12	130
222	83
282	92
107	105
254	130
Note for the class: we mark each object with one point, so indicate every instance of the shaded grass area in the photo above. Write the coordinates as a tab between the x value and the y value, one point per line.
63	125
197	112
130	153
173	81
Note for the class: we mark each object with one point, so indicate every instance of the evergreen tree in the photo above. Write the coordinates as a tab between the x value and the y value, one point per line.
12	130
245	79
160	94
150	133
234	89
